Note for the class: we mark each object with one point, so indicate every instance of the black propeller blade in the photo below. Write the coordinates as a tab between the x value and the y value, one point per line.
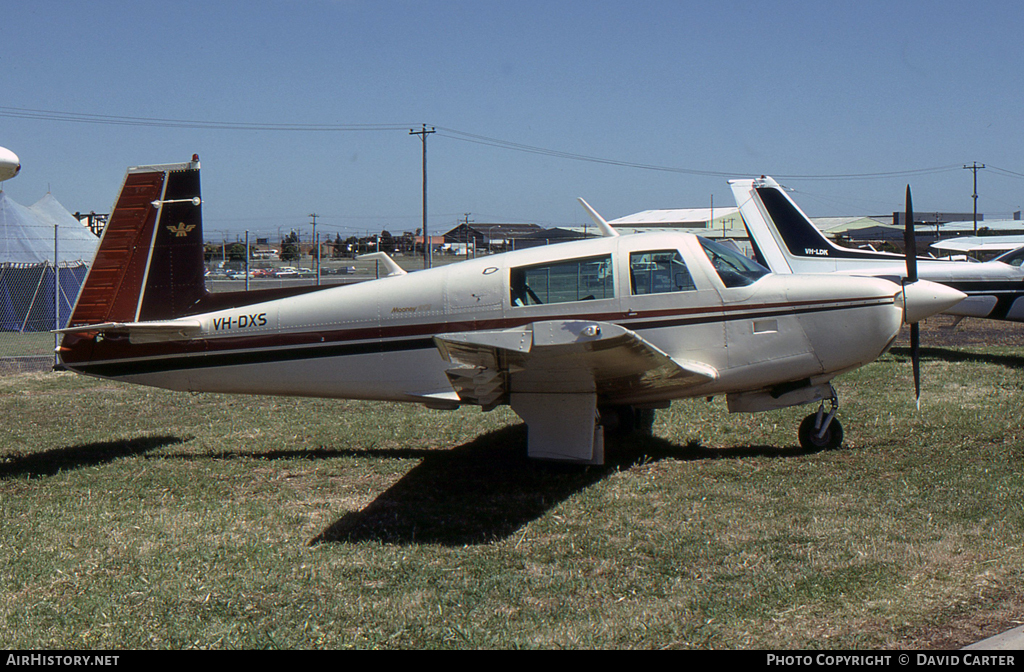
910	249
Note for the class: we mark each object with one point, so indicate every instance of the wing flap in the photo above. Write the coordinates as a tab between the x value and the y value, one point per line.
562	357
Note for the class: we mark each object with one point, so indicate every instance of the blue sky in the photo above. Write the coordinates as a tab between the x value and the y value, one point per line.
802	90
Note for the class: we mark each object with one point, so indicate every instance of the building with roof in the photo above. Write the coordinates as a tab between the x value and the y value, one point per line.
717	224
503	237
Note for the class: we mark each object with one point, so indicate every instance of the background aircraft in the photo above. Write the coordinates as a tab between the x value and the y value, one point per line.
575	337
9	164
787	242
980	245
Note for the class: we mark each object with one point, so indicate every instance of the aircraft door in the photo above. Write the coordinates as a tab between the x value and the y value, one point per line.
762	342
672	304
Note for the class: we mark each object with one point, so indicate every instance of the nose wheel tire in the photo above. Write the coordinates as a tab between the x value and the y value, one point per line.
812	438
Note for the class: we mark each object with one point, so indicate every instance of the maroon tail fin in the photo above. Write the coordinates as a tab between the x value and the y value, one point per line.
149	265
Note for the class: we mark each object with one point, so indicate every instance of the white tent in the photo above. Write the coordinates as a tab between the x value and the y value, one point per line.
28	293
27	233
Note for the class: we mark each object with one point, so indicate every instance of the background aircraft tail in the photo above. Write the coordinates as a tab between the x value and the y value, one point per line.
784	237
149	265
764	237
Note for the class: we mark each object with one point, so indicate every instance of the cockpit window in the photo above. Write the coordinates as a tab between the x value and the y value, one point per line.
1014	258
561	282
658	272
733	268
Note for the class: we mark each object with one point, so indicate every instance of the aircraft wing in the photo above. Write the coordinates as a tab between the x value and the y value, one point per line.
142	332
562	357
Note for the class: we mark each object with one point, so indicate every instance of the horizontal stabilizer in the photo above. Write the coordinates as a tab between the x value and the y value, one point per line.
142	332
390	265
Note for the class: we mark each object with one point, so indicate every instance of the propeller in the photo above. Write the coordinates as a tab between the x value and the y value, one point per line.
910	249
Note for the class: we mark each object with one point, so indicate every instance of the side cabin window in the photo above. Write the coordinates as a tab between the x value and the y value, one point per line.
658	272
563	281
733	268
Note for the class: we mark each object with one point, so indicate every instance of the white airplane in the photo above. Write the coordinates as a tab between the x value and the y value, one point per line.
9	164
575	337
787	242
990	245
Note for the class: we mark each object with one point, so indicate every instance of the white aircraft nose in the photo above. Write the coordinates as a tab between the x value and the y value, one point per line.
922	299
9	164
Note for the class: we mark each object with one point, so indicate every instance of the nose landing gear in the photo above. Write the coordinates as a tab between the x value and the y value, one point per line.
819	431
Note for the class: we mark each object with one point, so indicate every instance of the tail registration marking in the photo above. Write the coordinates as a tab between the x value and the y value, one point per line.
239	322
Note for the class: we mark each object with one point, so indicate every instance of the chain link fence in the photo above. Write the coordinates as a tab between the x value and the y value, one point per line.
44	253
35	299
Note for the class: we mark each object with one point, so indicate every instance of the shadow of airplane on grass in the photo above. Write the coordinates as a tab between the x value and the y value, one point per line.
55	460
487	489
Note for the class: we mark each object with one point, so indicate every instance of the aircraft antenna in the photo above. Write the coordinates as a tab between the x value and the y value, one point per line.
605	228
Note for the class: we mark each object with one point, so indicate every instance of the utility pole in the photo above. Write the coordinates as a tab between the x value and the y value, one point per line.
423	133
316	247
974	168
467	221
247	260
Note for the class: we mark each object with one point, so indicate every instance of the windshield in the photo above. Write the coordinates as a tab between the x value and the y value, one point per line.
1013	258
733	268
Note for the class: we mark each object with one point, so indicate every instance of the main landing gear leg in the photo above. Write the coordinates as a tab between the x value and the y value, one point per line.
821	431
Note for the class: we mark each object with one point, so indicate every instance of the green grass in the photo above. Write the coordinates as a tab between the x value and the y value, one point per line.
140	518
29	344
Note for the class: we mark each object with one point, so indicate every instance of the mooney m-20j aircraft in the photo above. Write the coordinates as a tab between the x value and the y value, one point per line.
787	242
574	337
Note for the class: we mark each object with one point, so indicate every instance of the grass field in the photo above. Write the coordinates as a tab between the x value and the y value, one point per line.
29	344
139	518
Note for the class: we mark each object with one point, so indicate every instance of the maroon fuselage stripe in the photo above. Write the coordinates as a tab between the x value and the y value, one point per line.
82	351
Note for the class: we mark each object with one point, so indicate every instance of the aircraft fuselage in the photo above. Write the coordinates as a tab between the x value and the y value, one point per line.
374	340
569	335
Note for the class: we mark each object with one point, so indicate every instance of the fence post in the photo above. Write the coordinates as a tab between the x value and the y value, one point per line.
247	260
56	293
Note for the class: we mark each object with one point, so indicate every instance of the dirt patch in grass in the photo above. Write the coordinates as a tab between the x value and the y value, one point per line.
943	331
1004	611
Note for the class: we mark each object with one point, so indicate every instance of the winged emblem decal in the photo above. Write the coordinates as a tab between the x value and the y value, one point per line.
181	230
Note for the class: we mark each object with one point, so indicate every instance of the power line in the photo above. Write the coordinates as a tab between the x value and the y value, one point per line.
503	144
114	120
454	134
1005	172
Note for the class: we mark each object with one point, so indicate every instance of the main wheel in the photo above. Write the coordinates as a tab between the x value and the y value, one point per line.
809	439
623	420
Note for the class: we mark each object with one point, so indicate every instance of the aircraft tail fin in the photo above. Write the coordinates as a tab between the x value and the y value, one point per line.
783	235
149	264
